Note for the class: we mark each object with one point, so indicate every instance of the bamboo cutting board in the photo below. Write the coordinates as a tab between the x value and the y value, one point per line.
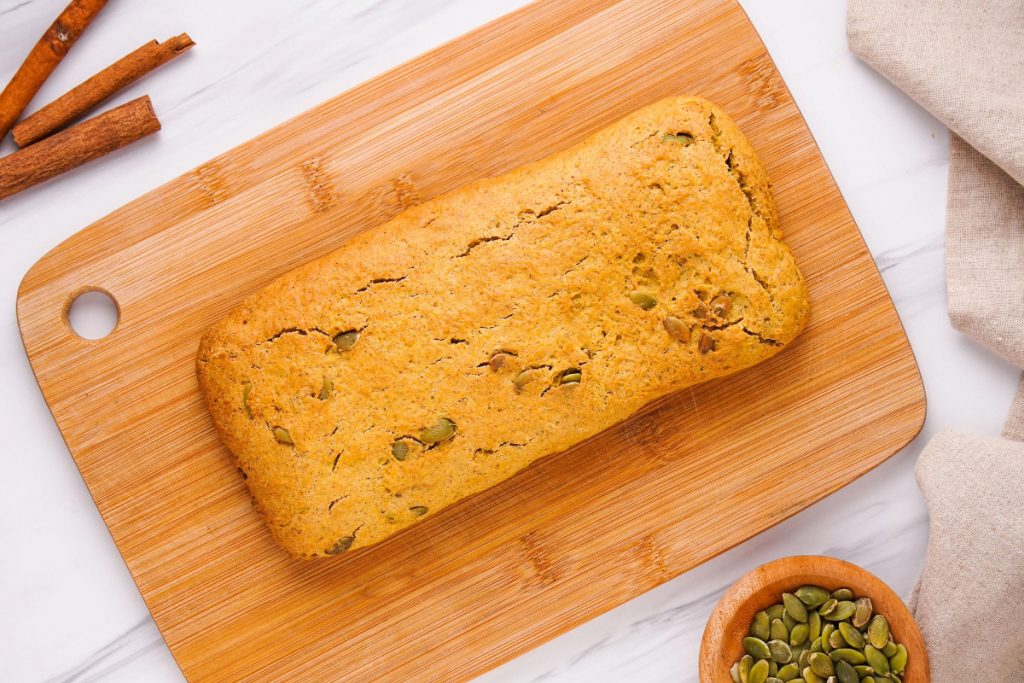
573	535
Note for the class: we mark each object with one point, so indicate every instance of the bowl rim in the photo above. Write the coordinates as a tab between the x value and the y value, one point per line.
762	586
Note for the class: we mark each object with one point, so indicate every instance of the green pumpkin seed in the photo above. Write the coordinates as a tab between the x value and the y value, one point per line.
760	627
326	389
789	621
845	673
246	390
756	648
844	610
821	664
812	596
847	655
878	631
746	662
876	660
442	430
862	614
570	376
810	677
643	300
685	139
400	450
813	626
778	630
283	436
758	672
343	544
780	650
828	607
826	634
676	329
811	638
794	608
898	661
524	378
851	635
344	341
418	510
789	672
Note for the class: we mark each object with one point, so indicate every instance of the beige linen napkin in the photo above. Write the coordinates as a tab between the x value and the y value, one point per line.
963	60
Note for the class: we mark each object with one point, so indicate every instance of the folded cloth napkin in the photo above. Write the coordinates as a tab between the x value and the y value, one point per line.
964	62
975	558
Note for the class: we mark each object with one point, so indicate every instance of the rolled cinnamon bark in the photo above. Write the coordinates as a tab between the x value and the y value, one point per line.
77	145
85	97
44	58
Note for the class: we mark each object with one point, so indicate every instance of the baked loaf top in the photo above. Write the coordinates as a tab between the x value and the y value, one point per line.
443	351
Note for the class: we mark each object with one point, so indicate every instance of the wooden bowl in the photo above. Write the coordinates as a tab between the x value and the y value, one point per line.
721	646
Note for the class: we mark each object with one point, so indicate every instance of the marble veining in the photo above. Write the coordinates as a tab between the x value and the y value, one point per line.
70	611
14	8
139	639
892	258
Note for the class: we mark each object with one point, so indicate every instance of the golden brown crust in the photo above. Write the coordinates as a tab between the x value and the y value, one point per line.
556	264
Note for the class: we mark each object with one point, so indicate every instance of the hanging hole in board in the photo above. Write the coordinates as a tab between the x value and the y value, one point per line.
92	313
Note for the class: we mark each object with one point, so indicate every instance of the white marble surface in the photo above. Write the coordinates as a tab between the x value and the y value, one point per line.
69	610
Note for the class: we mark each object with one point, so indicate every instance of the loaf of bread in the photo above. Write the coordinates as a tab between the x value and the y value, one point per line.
440	353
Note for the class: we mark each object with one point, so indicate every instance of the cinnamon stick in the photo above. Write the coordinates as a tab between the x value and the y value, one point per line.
83	98
77	145
44	58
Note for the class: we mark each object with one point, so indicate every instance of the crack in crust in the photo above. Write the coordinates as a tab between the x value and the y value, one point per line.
756	210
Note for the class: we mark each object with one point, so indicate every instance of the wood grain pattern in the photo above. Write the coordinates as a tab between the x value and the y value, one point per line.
763	587
573	535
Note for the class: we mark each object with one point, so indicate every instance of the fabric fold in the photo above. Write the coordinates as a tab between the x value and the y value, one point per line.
964	63
985	251
975	558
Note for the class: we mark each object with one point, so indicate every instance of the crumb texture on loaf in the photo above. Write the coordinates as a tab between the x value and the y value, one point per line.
441	352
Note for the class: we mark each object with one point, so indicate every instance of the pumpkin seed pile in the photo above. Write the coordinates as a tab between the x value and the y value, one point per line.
814	636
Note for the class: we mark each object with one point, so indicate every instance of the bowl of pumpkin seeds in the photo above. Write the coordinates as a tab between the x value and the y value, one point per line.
812	619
